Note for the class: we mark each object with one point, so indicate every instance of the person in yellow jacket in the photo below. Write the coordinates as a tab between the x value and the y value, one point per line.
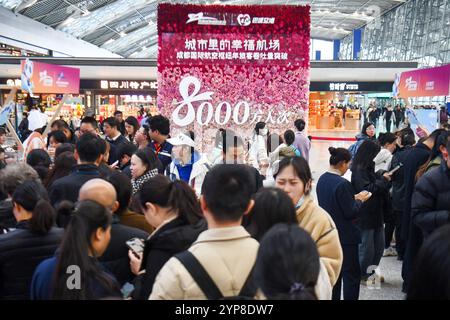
294	177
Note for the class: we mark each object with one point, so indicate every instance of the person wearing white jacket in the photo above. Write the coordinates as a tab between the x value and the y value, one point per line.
258	157
187	164
388	142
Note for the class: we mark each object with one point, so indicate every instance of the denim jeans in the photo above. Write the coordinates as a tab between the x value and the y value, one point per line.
371	249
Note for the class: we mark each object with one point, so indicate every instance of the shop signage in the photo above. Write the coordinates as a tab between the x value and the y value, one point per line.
343	86
40	77
128	84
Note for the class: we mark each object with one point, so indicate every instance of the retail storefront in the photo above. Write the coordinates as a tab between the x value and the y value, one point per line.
338	105
97	97
128	96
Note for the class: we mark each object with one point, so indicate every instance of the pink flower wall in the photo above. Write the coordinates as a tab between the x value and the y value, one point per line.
231	67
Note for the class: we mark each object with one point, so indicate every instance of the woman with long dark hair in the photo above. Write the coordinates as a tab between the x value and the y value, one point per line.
173	210
131	127
288	264
34	240
273	206
367	133
370	214
63	166
86	238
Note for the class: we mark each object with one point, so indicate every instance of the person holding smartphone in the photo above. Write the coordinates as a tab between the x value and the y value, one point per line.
172	208
371	213
337	196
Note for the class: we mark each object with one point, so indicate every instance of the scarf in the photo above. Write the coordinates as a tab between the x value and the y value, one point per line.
137	183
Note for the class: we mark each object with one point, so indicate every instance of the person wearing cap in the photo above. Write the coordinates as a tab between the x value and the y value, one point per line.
187	164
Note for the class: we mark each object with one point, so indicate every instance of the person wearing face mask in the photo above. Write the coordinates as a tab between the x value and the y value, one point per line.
337	196
367	133
258	157
187	164
388	143
294	177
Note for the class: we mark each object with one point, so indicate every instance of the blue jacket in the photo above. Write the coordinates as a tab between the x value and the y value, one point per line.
337	196
164	154
42	287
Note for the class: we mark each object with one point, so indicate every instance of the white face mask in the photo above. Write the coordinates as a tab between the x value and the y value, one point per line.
263	132
300	202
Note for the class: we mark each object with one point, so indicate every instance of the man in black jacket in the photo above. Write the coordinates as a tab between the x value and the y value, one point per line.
119	117
114	137
115	258
431	199
411	235
88	152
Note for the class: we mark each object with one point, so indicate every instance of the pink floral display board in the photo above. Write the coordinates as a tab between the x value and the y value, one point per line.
224	66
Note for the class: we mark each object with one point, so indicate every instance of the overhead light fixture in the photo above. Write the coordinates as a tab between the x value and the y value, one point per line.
86	12
109	41
123	34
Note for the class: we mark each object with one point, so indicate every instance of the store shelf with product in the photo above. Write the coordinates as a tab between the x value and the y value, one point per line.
72	109
324	115
352	121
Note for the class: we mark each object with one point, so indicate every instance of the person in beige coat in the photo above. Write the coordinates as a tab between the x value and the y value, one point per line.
294	177
226	250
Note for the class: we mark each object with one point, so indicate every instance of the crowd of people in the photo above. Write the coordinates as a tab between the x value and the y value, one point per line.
136	213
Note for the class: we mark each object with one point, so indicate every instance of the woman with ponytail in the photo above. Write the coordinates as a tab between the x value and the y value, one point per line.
34	240
288	264
75	273
173	210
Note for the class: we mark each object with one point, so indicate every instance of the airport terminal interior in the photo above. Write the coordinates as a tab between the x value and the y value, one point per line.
208	149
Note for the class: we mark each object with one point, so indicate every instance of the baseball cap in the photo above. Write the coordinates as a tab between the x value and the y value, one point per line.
182	140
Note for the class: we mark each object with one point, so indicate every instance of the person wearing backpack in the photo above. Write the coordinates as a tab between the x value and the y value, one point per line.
367	133
220	262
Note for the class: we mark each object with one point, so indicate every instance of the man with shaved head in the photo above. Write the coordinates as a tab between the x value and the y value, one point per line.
101	191
115	258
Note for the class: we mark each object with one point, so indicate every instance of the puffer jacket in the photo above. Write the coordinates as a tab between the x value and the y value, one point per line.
431	200
21	251
228	256
318	223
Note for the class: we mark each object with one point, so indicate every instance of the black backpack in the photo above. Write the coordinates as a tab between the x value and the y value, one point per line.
207	285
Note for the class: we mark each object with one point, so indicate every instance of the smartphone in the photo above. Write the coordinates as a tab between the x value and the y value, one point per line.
136	245
115	163
395	169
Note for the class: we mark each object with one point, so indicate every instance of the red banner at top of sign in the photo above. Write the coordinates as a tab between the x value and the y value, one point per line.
38	77
425	82
232	19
